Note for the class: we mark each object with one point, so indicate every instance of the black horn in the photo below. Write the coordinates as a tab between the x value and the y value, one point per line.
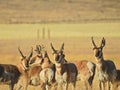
102	42
31	53
62	47
39	47
93	42
21	52
52	47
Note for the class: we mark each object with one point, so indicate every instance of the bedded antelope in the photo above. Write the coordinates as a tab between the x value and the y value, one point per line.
65	72
106	68
86	69
45	74
11	74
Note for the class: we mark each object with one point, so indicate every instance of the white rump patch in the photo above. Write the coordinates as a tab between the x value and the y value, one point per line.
46	75
90	66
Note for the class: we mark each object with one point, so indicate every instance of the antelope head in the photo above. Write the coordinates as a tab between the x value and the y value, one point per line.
46	57
25	59
38	58
58	54
98	50
38	49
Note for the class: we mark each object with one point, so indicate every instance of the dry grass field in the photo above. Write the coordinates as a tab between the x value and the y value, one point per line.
77	39
70	21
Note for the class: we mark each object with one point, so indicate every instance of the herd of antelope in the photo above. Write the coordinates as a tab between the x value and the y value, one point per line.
39	70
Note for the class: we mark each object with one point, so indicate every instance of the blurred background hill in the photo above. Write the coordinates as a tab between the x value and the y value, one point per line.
47	11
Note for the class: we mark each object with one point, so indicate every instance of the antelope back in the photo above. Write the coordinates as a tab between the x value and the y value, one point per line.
98	49
58	54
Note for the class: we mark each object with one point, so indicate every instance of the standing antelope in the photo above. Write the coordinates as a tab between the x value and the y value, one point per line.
117	81
65	72
11	74
86	72
35	67
23	68
45	73
86	69
106	68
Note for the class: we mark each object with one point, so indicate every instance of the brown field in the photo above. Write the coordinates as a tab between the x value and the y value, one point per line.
47	11
77	46
76	35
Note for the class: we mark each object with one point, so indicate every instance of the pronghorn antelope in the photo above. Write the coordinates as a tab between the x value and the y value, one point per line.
65	72
11	74
45	73
117	81
106	68
35	67
23	68
86	70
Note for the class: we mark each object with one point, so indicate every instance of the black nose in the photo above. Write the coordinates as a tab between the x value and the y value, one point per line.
57	58
27	65
97	54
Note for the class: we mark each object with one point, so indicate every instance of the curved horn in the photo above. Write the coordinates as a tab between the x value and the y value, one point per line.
45	54
20	52
102	43
39	47
52	47
42	48
31	53
62	47
93	42
36	48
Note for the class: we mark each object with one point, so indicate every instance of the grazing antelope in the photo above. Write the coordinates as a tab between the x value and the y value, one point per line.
106	68
45	73
11	74
65	72
23	68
